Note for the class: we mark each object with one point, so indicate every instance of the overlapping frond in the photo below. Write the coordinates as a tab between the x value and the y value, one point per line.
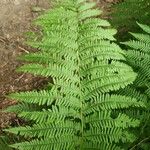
104	128
138	56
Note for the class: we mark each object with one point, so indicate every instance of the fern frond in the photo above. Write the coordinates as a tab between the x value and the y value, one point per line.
95	34
41	97
111	130
107	102
43	58
138	45
23	106
141	37
138	56
133	93
145	28
95	146
66	142
47	71
86	66
54	115
45	130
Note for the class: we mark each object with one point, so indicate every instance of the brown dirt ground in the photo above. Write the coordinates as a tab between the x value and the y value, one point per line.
15	20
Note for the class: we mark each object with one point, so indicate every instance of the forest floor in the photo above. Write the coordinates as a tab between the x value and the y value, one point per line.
15	19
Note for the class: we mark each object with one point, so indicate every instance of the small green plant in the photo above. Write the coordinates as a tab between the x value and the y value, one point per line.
75	112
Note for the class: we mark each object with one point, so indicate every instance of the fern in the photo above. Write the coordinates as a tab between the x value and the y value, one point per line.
138	56
78	52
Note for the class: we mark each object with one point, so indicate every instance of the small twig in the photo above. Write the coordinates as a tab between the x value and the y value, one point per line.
23	49
2	39
2	66
17	122
18	79
132	148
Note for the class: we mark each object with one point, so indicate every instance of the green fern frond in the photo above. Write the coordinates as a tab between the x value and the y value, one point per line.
23	106
138	45
111	130
46	130
144	27
141	37
95	146
51	115
131	91
139	56
107	102
86	66
43	58
65	141
41	97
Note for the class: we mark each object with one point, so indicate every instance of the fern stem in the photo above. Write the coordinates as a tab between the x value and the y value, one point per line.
81	111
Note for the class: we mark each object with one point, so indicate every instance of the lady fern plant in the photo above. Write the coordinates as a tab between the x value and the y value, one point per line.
75	111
